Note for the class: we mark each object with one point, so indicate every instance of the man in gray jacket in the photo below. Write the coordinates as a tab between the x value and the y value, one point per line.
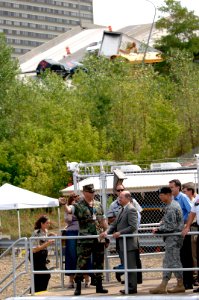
126	223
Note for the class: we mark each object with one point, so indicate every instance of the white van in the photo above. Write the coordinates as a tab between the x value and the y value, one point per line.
165	166
94	47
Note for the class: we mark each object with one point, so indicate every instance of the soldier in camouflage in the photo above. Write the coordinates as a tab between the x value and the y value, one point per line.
171	222
92	221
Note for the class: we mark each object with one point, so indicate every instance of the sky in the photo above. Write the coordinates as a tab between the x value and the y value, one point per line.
121	13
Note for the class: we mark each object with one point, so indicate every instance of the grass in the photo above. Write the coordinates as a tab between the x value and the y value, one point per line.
9	221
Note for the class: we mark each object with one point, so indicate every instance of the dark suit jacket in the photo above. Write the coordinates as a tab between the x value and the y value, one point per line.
126	223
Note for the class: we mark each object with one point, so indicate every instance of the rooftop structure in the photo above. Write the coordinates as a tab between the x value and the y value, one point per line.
29	24
77	40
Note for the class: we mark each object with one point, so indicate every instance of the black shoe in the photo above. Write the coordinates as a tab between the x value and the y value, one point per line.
130	292
196	290
77	292
99	287
118	276
78	288
101	290
188	286
196	283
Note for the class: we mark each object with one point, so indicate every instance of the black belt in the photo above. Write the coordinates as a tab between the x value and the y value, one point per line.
194	224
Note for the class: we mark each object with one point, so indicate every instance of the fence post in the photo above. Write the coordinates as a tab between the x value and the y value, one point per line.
197	161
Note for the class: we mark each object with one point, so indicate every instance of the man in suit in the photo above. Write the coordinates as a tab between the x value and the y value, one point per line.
126	223
111	215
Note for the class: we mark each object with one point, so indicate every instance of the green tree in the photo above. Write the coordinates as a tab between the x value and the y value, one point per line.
143	119
95	90
133	100
8	72
114	111
184	73
8	66
180	25
44	132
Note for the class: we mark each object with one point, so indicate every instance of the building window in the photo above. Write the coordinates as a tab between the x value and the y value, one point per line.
16	23
15	5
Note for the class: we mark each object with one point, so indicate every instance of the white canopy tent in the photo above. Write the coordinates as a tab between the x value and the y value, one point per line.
15	198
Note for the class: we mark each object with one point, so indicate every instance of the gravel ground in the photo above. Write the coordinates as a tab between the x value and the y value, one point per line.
23	281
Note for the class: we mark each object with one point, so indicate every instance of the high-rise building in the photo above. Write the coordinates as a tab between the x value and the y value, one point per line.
28	24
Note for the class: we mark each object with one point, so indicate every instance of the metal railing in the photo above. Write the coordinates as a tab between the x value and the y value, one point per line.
59	260
13	274
107	269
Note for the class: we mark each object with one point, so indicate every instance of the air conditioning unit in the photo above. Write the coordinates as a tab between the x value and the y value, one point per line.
165	166
73	166
126	168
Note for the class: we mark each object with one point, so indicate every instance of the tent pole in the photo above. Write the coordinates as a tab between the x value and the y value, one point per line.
59	218
19	225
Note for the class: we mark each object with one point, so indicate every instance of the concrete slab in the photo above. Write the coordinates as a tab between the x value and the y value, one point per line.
114	288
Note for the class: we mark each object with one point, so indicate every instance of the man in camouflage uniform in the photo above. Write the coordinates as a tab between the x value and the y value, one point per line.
171	222
92	221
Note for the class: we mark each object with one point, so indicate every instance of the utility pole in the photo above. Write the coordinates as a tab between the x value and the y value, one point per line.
150	32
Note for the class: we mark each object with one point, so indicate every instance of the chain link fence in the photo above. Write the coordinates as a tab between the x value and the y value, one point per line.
153	208
142	183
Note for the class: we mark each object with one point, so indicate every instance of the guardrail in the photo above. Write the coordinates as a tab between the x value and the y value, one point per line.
14	276
156	241
27	244
108	270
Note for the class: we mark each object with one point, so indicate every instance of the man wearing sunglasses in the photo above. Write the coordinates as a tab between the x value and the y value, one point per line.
115	205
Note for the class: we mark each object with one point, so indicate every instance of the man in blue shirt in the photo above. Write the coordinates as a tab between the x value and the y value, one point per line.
185	252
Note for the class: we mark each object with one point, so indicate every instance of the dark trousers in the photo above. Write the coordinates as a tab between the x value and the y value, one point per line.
131	264
197	252
187	261
70	251
86	250
39	262
138	261
41	280
139	266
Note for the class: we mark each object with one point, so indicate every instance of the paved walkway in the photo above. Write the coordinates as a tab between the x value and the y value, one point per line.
114	287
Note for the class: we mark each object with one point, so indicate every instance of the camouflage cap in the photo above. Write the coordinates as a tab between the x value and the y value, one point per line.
89	188
165	190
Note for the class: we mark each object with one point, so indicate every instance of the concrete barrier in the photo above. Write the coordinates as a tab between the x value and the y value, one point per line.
150	297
